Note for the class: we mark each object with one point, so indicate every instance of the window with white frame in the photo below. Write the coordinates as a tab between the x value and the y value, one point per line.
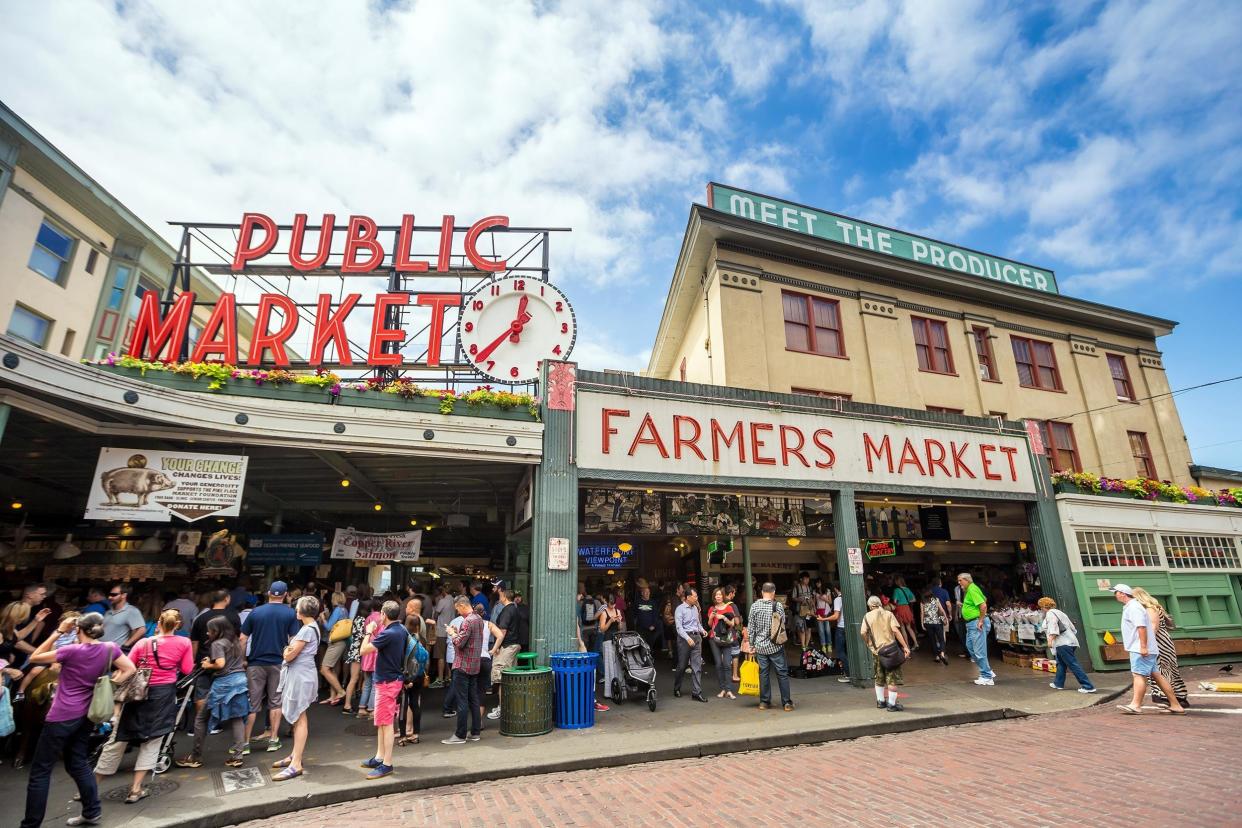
51	253
1125	549
1200	552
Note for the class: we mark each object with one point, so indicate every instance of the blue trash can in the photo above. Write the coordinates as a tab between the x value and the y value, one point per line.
574	676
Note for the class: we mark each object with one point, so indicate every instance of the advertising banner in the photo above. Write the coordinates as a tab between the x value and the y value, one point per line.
290	550
400	547
155	485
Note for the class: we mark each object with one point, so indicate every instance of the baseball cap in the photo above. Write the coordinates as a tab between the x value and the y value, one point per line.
1124	589
278	588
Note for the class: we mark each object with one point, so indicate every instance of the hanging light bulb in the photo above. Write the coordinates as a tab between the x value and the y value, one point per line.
16	504
345	483
413	522
378	507
625	547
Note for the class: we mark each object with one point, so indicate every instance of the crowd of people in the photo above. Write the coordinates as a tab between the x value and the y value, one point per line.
92	676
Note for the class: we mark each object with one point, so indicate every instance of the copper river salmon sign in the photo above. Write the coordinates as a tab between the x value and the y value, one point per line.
877	239
155	485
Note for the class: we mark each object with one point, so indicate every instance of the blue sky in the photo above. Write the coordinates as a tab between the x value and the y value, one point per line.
1102	140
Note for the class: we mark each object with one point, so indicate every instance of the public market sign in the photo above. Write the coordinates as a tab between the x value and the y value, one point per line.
155	485
401	547
877	239
708	440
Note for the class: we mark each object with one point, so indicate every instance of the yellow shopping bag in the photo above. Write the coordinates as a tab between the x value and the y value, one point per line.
749	672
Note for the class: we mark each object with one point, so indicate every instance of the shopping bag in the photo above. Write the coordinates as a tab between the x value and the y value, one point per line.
6	714
101	700
749	671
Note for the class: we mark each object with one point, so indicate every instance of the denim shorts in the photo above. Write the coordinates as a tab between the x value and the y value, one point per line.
1143	665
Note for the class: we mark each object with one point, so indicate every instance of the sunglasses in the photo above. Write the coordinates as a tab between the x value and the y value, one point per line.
115	594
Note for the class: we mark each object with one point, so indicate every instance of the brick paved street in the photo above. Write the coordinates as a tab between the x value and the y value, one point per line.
1187	770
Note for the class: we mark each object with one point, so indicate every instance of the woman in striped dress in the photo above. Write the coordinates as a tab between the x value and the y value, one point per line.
1167	650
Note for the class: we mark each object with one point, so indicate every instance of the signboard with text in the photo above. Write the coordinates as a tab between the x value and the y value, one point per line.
879	549
711	440
156	485
877	239
396	547
289	550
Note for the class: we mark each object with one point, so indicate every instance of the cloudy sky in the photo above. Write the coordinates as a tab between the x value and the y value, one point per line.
1102	140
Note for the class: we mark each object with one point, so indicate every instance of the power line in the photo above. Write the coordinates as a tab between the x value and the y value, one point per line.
1152	397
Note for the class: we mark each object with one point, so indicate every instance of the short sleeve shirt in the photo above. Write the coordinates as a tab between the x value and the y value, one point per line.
268	630
838	607
971	601
231	654
1133	617
80	666
119	626
390	655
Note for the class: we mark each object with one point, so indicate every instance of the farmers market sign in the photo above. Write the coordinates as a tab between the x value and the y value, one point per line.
873	237
155	485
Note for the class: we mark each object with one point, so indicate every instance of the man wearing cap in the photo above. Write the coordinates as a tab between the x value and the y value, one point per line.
1138	634
267	631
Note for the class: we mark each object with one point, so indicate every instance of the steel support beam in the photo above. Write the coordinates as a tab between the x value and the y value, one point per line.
853	593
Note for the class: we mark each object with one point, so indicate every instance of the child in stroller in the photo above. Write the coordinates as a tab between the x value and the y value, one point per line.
635	673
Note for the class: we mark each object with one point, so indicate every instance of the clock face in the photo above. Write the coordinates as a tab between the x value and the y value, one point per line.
508	327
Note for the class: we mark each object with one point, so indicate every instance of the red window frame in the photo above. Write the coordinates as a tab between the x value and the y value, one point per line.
1039	360
983	350
934	357
1121	377
1060	446
816	332
1144	463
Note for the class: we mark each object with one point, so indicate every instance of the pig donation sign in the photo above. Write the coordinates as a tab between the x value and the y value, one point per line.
154	485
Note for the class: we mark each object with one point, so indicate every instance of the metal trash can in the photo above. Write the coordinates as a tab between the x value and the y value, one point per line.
574	675
526	701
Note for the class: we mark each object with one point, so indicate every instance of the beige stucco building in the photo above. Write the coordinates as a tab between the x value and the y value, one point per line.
756	304
74	260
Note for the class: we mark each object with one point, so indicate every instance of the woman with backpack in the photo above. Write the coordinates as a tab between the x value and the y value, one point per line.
299	685
722	621
147	721
414	677
880	631
67	728
228	698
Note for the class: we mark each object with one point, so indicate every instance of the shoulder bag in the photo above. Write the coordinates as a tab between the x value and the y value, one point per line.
341	630
102	703
134	688
776	629
890	656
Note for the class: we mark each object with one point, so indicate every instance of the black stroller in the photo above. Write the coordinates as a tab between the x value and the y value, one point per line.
185	704
638	671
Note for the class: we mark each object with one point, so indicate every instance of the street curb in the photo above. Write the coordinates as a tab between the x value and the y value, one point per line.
276	807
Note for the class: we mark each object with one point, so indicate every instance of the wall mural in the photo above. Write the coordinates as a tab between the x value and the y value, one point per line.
613	511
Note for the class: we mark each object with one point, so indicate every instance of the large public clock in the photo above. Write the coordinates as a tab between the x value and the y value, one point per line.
509	327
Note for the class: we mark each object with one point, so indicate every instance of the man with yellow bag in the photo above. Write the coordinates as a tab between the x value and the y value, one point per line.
767	634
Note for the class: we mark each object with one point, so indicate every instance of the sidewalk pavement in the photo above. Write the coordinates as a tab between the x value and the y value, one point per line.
680	728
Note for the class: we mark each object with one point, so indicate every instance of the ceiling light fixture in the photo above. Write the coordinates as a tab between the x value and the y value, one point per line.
625	547
792	541
345	483
378	507
413	522
16	504
919	544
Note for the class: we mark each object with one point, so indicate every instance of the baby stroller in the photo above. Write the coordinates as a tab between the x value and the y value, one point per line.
185	702
637	674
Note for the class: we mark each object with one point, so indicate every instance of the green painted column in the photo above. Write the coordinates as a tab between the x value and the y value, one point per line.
554	592
747	578
853	595
4	418
1051	555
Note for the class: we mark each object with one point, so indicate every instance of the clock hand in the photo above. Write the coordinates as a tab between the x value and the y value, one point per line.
522	309
511	333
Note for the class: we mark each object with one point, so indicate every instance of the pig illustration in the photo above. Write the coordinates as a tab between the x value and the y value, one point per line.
138	482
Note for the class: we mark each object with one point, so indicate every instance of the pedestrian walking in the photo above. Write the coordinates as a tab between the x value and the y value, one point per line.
690	634
840	650
353	653
978	627
387	642
722	624
299	686
766	631
467	643
802	602
1063	641
227	699
1166	660
647	622
903	608
66	728
148	721
267	631
1138	634
338	643
879	629
934	620
823	611
736	656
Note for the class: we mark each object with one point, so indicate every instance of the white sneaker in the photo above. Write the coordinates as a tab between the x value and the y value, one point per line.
1085	690
495	713
453	740
1054	687
985	682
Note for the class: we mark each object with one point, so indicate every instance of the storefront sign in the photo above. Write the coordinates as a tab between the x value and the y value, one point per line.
604	556
186	542
400	547
558	553
880	549
877	239
155	485
710	440
854	554
289	550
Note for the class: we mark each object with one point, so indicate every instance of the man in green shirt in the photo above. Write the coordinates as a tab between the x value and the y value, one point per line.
978	626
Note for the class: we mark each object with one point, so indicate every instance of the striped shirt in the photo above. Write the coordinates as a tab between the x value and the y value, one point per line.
760	626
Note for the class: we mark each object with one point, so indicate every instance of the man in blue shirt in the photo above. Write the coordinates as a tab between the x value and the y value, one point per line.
267	631
478	601
389	647
690	635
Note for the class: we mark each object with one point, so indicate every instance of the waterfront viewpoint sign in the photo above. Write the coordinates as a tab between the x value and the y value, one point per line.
873	237
726	442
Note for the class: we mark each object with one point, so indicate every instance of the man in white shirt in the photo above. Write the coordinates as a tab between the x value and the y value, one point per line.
1138	633
1064	644
839	649
442	612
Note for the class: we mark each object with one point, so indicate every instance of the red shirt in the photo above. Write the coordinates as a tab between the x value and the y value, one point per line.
467	644
174	655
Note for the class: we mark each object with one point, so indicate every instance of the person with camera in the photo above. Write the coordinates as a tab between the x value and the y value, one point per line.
881	632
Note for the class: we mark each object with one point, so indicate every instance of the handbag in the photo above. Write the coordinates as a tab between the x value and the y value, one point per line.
102	704
890	656
341	631
135	688
749	673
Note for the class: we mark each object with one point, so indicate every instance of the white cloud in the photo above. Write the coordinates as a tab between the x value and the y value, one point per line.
751	51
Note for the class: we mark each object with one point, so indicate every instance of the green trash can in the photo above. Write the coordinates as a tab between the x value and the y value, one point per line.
526	701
